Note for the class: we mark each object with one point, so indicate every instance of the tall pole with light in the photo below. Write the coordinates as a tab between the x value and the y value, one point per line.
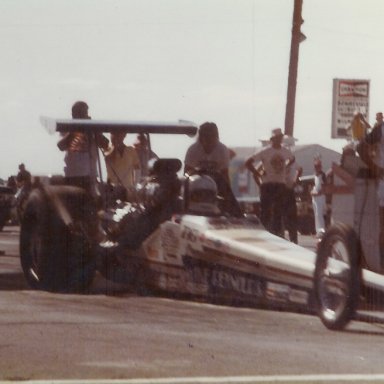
297	38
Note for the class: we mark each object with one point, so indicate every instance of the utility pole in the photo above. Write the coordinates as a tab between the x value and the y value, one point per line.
297	38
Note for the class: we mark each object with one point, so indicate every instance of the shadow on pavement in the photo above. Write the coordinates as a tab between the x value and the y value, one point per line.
13	282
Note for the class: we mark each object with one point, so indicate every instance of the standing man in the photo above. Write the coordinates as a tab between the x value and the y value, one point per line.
81	152
294	171
23	178
275	159
290	221
123	164
208	153
318	198
24	186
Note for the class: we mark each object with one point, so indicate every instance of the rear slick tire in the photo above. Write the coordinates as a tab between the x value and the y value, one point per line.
52	258
337	277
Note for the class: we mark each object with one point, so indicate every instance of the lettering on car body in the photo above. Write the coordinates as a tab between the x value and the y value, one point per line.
193	235
236	282
221	278
284	293
190	234
170	241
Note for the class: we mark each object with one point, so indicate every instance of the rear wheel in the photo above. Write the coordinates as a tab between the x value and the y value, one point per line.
52	257
337	276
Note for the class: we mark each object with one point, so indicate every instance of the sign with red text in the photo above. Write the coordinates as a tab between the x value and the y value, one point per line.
349	97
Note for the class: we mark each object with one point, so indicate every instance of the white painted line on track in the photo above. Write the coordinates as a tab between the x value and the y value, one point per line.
338	378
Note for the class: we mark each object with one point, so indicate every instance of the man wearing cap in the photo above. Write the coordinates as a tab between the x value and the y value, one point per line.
275	159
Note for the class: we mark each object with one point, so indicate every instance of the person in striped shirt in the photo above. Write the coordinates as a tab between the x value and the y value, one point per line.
81	154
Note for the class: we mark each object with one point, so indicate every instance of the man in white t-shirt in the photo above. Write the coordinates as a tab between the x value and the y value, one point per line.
208	153
123	164
275	159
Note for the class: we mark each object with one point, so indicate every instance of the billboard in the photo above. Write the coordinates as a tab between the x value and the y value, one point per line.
349	97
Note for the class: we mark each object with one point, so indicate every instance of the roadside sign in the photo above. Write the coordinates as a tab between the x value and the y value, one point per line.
349	97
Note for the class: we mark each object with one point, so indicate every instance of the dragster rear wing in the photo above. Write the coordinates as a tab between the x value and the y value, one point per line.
109	126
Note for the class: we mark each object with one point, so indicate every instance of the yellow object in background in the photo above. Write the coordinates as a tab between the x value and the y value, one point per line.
358	127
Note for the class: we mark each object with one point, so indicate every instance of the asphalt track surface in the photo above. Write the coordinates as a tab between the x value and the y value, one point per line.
115	336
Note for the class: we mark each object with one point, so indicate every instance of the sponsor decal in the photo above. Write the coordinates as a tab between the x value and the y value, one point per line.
218	278
299	297
277	292
190	234
194	235
198	280
284	293
169	240
201	277
234	281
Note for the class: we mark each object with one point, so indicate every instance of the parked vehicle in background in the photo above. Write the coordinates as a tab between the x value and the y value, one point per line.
7	202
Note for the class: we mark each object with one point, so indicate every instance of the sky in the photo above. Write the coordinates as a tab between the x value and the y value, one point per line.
163	60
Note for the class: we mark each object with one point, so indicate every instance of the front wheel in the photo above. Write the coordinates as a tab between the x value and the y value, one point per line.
337	276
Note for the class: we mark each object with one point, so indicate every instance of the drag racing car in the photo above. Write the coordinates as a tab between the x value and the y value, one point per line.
184	235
